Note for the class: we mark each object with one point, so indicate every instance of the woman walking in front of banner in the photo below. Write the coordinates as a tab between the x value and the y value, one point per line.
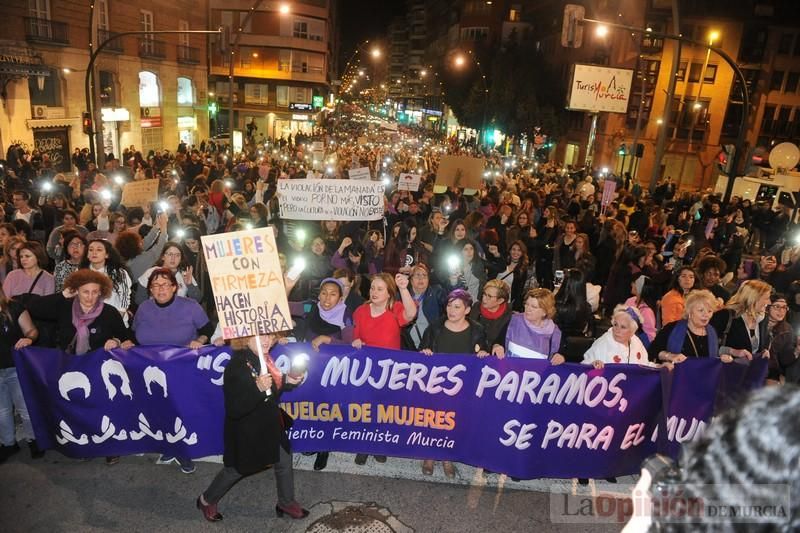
255	427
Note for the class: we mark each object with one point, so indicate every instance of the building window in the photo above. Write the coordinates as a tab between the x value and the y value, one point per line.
146	22
152	139
108	94
183	38
185	92
285	61
682	70
256	93
300	30
785	43
776	80
149	92
282	94
50	92
39	9
791	82
102	16
768	119
474	34
299	95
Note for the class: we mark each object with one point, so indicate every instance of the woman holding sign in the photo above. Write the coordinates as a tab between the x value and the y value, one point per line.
378	322
255	427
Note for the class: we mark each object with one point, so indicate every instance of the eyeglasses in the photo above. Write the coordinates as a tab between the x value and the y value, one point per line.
159	286
172	254
779	307
492	296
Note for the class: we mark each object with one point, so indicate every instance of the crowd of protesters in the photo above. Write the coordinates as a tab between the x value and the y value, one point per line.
532	264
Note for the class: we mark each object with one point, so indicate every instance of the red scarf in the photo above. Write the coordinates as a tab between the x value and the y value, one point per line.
277	377
494	315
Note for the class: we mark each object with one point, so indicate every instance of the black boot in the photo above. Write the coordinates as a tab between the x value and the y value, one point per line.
322	461
361	459
36	453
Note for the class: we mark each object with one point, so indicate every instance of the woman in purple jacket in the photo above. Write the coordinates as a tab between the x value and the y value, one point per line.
532	334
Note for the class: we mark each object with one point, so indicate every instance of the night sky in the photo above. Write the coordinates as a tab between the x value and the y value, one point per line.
364	19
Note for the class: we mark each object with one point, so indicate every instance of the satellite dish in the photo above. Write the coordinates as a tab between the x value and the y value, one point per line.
784	156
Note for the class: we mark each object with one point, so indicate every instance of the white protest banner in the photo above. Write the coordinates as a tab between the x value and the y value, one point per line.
317	146
247	282
596	89
361	173
140	193
409	182
330	199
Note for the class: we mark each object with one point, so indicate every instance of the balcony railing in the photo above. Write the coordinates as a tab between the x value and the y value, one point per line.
46	31
188	55
152	48
114	45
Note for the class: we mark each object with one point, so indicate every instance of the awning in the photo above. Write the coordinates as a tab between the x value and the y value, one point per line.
52	122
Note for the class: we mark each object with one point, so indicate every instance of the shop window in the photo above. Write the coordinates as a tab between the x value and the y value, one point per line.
185	92
149	92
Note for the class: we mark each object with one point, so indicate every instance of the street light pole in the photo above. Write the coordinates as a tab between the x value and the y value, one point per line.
91	108
740	139
459	61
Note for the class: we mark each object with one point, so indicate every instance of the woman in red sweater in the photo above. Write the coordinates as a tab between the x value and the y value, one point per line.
378	321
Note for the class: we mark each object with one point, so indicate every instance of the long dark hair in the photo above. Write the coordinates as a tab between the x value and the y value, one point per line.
650	293
114	266
572	304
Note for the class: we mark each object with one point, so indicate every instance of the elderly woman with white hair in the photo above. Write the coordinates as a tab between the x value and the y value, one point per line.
620	343
693	336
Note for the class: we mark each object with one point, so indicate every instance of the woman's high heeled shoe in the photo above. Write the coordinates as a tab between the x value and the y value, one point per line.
209	511
294	510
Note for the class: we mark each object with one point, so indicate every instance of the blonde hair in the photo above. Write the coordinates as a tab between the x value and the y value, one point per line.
500	286
391	287
745	299
546	300
699	297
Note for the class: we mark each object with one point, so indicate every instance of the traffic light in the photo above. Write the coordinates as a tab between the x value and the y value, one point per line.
212	108
622	150
572	26
87	124
725	158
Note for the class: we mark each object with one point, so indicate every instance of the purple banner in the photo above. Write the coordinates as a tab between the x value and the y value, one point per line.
164	399
517	416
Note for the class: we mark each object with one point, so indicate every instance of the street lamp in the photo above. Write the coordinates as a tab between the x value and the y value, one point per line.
712	36
284	9
601	30
459	60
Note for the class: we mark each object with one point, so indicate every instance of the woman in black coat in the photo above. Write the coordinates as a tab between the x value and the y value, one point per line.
255	427
83	322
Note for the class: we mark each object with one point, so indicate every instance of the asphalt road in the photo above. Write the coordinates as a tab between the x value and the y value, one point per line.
61	494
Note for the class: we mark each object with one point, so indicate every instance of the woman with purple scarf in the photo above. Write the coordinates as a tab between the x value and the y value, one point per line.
532	334
326	322
83	322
